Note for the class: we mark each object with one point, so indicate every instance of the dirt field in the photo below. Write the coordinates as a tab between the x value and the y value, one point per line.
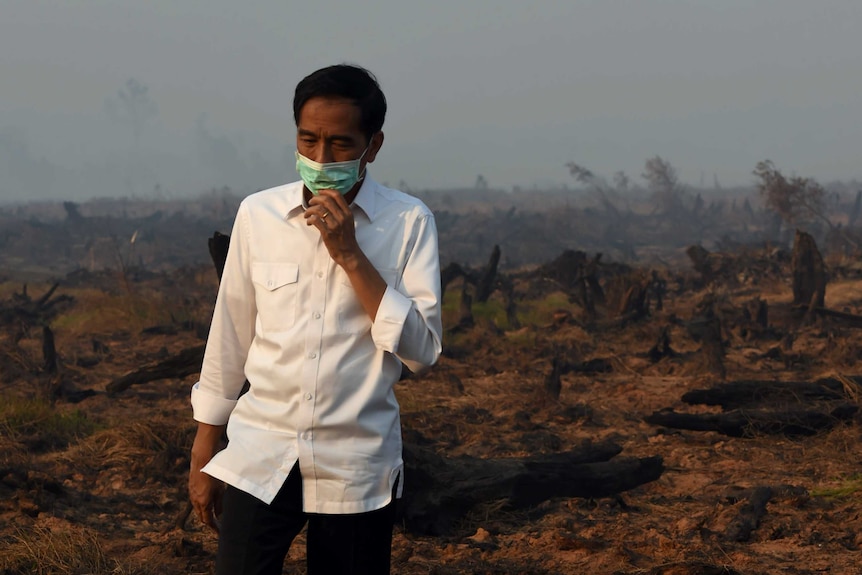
95	484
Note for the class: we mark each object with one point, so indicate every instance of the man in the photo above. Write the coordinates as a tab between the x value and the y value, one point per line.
330	285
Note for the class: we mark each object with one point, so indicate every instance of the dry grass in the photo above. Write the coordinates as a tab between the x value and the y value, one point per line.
67	551
143	450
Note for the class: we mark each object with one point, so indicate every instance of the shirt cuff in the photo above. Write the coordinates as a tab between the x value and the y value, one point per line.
210	409
389	322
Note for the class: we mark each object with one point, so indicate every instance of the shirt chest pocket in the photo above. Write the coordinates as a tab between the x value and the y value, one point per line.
352	317
275	289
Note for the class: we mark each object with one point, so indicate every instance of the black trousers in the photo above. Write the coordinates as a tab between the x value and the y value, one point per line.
255	537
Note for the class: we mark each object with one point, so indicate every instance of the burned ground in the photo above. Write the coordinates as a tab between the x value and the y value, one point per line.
661	409
554	359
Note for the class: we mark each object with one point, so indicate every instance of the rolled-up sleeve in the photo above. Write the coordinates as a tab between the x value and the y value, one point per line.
408	321
231	333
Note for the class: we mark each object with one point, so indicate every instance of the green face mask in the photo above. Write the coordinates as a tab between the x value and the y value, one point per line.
339	176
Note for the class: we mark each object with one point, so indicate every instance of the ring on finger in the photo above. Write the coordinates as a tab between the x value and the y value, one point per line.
323	217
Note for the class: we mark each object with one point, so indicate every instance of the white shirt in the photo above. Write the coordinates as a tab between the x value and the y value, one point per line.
321	374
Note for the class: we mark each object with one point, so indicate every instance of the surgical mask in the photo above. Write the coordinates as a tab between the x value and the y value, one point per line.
339	176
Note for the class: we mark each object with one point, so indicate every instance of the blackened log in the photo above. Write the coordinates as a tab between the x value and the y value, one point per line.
594	365
748	393
689	567
750	422
185	363
848	319
442	490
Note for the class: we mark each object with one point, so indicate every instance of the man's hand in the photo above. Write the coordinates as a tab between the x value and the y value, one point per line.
329	212
331	215
205	492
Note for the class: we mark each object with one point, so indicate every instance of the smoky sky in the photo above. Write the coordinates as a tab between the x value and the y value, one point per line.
173	98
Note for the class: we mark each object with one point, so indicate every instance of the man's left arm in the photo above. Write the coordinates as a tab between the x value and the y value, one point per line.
405	321
408	321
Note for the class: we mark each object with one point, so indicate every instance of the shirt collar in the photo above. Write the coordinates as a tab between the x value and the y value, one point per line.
365	200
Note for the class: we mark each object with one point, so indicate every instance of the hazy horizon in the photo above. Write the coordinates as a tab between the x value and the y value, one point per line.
505	89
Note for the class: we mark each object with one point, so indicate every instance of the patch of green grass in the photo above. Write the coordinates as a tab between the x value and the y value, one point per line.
849	487
491	311
39	424
540	312
529	312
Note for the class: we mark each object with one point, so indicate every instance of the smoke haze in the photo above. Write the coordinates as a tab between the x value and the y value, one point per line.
117	98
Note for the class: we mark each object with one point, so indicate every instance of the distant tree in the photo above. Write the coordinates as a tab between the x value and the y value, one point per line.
796	200
621	181
663	184
133	107
580	173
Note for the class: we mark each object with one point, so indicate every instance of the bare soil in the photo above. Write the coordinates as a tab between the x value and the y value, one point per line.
119	488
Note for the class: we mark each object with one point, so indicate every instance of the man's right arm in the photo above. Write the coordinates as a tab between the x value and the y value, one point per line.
223	371
204	490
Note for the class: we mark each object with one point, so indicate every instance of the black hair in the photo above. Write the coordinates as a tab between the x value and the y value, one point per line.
345	81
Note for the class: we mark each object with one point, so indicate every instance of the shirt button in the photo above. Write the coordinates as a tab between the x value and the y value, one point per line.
308	396
316	315
269	283
304	436
312	355
320	274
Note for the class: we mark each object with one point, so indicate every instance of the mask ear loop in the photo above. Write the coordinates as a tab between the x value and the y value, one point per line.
365	167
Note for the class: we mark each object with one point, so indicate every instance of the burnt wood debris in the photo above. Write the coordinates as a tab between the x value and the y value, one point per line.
603	297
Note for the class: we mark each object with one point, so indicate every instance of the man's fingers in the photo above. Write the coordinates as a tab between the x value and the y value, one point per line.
207	517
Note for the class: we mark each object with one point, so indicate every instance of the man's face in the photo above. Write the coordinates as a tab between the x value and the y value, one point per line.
329	131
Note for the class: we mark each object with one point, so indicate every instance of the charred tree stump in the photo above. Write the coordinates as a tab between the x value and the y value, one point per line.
706	328
49	351
218	247
809	273
633	304
661	348
857	210
553	383
448	274
750	514
755	318
465	317
590	276
485	285
659	288
443	490
511	303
